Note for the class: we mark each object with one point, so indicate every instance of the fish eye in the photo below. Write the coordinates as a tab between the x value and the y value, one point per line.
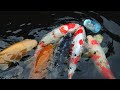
70	67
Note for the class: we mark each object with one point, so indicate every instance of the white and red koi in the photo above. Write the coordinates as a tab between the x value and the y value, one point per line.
98	56
76	49
55	35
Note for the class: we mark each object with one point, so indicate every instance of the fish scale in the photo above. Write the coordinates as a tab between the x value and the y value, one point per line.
59	65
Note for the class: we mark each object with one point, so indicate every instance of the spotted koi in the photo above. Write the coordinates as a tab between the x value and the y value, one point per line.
76	50
98	57
55	35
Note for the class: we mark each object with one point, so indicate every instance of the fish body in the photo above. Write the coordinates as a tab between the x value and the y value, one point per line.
58	67
40	65
55	35
76	49
98	56
16	51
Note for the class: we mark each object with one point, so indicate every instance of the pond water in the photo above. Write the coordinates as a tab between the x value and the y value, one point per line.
17	26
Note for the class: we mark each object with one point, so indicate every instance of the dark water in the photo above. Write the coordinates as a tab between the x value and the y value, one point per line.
58	67
16	26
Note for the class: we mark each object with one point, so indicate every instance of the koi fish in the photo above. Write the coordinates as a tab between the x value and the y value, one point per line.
21	71
98	38
55	35
15	52
76	49
58	68
98	56
41	64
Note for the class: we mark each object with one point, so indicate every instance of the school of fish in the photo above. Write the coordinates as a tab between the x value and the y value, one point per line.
45	51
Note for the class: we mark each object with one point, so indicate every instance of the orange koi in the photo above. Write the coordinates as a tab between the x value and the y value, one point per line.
40	65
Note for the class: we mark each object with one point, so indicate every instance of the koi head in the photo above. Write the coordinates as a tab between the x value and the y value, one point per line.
30	44
99	38
92	41
78	41
70	27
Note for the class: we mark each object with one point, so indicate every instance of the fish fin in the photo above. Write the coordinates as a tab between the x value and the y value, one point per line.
4	66
10	61
30	61
105	49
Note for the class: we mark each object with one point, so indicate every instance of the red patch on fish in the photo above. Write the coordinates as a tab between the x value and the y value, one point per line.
71	48
98	64
78	32
70	75
36	53
95	57
62	30
72	45
53	35
81	42
107	63
70	52
74	60
42	43
94	42
81	27
106	72
70	25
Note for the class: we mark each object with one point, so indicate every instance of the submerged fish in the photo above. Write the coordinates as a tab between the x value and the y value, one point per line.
40	65
21	71
55	35
58	68
76	50
15	52
98	56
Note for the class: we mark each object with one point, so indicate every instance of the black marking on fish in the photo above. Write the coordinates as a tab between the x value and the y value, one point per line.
56	70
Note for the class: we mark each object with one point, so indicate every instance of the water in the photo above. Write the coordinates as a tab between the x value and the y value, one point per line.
16	26
59	64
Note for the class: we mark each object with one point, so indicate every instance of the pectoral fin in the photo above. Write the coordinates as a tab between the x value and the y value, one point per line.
11	61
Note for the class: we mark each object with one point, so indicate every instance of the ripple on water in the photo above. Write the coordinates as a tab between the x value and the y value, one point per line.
86	69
